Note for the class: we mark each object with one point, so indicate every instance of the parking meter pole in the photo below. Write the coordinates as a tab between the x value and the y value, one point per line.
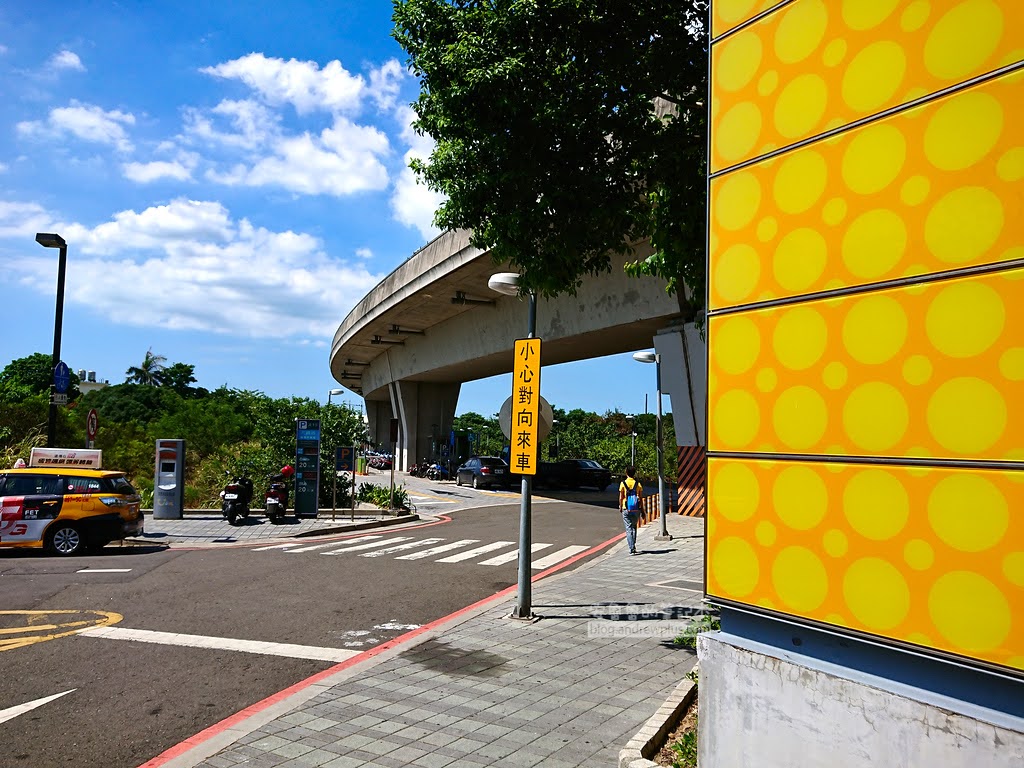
391	497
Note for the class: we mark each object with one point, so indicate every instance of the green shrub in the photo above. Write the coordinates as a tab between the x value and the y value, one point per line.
706	623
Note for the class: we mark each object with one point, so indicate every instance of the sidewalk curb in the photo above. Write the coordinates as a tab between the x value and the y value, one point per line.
651	737
382	523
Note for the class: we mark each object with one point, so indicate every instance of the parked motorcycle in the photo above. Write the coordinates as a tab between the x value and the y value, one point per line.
276	497
437	472
419	470
235	499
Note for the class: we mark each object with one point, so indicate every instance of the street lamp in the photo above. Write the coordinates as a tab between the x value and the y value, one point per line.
654	357
632	440
334	392
507	283
49	240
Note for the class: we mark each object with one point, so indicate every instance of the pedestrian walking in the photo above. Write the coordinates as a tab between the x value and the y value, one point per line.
630	493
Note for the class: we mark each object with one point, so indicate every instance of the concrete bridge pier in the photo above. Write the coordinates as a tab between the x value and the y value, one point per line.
425	412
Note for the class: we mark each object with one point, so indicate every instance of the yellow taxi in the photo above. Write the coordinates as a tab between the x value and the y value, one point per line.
64	502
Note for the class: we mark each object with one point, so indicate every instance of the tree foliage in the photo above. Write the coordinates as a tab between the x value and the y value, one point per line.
149	371
565	131
31	377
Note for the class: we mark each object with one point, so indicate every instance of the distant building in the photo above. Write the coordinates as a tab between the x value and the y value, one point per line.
87	381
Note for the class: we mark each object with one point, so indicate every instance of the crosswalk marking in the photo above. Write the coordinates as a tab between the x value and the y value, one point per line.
378	545
508	557
474	552
371	545
559	556
310	549
400	547
438	550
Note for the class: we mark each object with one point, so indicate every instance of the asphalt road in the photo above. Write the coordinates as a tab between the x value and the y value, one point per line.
129	701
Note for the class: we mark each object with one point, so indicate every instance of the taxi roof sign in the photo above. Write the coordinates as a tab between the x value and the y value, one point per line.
81	458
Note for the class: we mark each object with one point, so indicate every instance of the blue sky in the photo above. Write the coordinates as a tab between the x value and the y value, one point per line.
231	178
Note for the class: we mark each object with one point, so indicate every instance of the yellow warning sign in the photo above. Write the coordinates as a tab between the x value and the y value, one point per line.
21	628
525	407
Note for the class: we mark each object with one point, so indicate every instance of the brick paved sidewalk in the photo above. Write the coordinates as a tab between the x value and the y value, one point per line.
482	689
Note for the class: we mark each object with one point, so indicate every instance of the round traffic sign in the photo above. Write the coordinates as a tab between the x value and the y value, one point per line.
61	378
92	423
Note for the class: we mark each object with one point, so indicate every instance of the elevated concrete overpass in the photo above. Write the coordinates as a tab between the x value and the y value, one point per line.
433	324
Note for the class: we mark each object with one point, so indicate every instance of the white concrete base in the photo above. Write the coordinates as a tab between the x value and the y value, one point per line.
763	708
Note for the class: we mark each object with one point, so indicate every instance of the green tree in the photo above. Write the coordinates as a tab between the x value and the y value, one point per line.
566	131
31	376
149	372
180	377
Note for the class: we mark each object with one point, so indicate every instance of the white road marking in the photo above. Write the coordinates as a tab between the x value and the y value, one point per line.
288	650
508	557
438	550
474	552
559	556
104	570
400	547
276	546
12	712
371	545
310	549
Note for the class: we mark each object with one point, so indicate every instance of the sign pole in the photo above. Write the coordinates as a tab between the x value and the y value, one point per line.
355	462
525	411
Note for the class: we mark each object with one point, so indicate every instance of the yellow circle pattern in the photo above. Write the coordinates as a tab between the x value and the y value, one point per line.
849	545
939	176
856	57
934	369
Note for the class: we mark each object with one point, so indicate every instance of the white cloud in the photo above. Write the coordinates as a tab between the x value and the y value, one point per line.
364	253
85	121
144	173
252	125
303	84
179	168
412	203
65	60
342	160
191	266
23	220
3	168
385	82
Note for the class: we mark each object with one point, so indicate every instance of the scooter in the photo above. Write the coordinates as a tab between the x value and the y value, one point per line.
235	499
276	499
419	470
437	472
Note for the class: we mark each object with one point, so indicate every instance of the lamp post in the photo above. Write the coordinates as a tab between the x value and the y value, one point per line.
654	357
334	392
507	283
49	240
632	439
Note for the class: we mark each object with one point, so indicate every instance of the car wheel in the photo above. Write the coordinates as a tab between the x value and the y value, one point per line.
65	540
458	480
476	481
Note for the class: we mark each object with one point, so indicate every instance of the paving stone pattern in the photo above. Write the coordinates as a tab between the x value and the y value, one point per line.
490	690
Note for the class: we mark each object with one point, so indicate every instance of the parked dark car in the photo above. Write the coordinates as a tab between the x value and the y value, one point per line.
484	472
573	474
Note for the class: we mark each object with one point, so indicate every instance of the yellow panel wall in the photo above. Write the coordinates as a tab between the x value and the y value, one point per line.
929	556
814	65
866	318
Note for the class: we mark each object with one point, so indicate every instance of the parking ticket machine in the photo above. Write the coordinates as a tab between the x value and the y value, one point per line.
169	480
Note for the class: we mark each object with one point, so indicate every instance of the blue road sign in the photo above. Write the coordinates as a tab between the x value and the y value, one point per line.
61	378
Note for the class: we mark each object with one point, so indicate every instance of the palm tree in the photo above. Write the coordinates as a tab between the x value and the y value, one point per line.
150	372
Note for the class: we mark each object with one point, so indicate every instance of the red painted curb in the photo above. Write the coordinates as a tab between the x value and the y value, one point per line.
259	706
